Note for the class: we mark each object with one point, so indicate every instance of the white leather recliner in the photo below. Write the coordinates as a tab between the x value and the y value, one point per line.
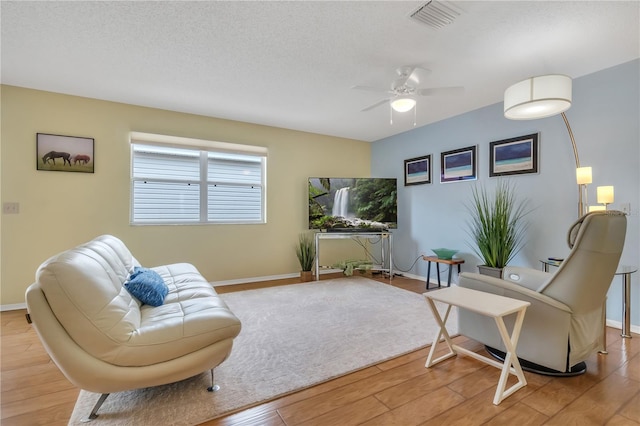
105	340
564	324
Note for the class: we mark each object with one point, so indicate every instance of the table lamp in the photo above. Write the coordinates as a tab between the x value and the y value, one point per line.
605	195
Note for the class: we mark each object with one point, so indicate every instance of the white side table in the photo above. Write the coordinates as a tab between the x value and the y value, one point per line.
490	305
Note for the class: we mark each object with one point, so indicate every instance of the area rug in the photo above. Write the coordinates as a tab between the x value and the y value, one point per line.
293	337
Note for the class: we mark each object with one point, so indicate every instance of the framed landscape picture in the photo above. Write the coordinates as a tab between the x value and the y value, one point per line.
417	170
458	165
64	153
514	156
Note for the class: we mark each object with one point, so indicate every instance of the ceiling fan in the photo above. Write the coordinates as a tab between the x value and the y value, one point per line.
404	90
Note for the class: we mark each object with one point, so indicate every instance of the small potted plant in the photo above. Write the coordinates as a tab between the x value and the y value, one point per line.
348	266
306	252
497	227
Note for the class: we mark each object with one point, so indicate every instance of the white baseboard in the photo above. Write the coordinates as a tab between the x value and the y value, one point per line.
432	282
266	278
412	276
13	307
252	280
618	325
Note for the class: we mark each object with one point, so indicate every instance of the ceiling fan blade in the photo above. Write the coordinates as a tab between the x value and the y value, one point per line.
377	104
410	74
454	90
370	89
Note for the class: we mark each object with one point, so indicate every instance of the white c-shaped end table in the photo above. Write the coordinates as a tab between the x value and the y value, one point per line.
491	305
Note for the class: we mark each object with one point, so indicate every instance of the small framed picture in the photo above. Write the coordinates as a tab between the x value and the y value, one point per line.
458	165
417	171
514	156
64	153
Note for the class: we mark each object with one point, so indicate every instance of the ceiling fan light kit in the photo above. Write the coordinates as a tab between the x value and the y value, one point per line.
403	103
404	91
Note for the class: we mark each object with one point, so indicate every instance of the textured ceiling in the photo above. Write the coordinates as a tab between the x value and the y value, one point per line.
291	64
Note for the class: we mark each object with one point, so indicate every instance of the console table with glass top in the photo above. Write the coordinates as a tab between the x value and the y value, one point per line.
387	255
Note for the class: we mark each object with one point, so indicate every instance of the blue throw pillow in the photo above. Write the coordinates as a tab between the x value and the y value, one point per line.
147	286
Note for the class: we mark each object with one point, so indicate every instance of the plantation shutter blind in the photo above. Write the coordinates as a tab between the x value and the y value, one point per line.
210	182
235	189
166	185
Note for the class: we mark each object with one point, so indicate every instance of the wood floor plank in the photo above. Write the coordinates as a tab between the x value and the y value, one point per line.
36	375
419	410
262	418
631	411
57	415
321	404
479	381
12	409
474	411
520	414
437	376
631	368
25	392
349	415
602	365
599	403
558	393
26	359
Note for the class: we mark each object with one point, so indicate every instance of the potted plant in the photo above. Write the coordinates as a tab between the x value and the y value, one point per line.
497	226
348	266
306	252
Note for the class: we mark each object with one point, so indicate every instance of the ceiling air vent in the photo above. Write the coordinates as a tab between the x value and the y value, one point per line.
435	14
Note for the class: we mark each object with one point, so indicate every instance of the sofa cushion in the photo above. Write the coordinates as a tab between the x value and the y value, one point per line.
147	286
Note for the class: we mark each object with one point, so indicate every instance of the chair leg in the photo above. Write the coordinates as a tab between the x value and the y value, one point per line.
213	387
94	413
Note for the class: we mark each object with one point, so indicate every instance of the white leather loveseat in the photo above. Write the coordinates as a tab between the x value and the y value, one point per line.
105	340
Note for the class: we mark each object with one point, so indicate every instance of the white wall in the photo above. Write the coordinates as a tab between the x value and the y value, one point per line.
605	120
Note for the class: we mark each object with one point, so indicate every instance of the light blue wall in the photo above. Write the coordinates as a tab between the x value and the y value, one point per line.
604	118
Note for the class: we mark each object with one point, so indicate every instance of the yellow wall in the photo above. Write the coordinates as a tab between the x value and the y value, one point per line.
59	210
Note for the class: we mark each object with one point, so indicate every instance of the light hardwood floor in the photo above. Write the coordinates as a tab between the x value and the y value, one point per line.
397	392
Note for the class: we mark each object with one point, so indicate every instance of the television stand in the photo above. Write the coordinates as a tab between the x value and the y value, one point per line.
387	255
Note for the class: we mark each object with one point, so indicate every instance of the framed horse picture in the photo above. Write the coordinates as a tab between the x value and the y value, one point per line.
64	153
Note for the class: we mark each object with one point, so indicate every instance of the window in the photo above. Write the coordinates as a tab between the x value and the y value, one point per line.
173	183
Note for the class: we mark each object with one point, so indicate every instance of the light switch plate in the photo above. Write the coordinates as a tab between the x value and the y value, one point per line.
10	208
626	208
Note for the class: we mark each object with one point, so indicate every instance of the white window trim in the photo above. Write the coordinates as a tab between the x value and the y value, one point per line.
205	145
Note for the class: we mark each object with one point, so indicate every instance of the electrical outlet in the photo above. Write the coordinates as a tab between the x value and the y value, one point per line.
626	208
10	208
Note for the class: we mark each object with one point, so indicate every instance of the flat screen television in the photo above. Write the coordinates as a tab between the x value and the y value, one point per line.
353	204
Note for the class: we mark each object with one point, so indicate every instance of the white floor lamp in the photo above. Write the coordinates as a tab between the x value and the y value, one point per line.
544	96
